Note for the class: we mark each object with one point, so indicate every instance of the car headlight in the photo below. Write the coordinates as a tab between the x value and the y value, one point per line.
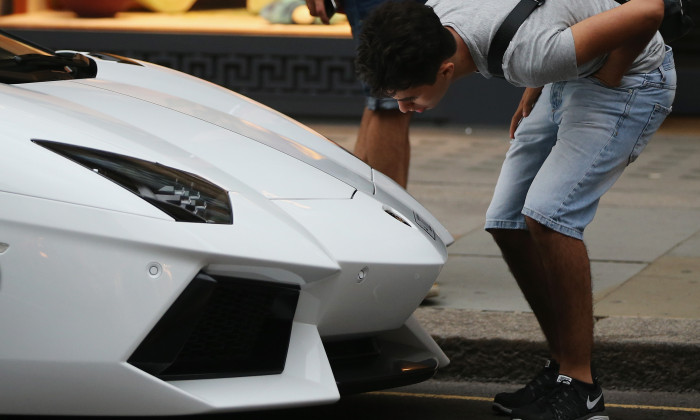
183	196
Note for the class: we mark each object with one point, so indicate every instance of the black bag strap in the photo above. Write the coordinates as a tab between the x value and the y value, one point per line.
505	33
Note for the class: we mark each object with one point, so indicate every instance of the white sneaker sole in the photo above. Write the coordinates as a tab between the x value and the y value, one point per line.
594	417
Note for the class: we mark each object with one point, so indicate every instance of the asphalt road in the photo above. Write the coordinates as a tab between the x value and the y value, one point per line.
442	401
435	400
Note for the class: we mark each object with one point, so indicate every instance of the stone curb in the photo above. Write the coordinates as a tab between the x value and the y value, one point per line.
641	354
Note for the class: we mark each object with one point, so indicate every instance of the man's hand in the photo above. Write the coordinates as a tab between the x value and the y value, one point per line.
318	9
610	76
527	102
621	32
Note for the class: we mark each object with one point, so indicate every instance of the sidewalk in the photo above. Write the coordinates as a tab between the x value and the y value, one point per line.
644	247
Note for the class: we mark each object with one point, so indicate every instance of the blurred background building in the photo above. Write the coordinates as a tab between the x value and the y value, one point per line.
302	69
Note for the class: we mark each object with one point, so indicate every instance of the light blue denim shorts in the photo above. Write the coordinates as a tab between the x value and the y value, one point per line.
574	145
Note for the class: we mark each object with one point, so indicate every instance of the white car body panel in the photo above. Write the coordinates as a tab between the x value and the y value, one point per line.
89	270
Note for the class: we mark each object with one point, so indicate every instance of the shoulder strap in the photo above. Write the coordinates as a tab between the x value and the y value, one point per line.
505	33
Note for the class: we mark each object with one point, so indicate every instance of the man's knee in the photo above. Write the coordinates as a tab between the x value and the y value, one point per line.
538	231
542	234
507	238
498	235
535	227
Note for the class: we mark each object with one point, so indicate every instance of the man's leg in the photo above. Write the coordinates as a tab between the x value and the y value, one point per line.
383	143
534	139
568	276
523	259
553	272
576	394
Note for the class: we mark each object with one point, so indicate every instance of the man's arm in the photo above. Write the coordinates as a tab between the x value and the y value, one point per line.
621	32
527	102
318	8
617	64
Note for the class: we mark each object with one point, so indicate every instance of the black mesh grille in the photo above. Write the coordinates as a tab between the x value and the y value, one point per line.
221	327
369	364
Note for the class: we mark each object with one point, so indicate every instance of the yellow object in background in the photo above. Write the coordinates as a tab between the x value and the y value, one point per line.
301	16
167	6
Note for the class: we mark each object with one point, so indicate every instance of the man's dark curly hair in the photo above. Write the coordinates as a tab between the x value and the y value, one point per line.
402	45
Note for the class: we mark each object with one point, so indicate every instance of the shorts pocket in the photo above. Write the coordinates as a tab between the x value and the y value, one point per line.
630	81
658	115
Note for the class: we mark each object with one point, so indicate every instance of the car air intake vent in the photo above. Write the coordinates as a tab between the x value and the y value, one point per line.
396	216
221	327
372	363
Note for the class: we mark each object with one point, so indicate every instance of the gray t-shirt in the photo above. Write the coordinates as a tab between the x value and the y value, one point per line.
542	50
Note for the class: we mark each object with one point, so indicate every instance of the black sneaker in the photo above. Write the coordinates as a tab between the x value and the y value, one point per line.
544	383
571	400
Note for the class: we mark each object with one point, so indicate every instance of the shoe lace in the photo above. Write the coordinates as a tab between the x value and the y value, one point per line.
565	403
541	381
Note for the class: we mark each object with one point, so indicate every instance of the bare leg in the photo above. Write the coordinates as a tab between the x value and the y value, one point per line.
383	143
525	263
565	261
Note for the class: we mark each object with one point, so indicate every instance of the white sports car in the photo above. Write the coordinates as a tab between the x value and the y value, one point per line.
170	247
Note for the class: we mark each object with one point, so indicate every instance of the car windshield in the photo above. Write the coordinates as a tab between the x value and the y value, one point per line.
22	62
10	48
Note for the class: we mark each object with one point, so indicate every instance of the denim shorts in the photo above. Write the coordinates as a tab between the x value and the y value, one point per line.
357	11
574	145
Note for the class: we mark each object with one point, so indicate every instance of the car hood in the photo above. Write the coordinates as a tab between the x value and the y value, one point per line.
161	115
198	127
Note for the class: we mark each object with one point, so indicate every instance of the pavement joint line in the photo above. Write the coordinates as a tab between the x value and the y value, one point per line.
607	261
471	254
488	399
596	260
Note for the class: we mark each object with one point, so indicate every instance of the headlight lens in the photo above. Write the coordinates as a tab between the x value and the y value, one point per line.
183	196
